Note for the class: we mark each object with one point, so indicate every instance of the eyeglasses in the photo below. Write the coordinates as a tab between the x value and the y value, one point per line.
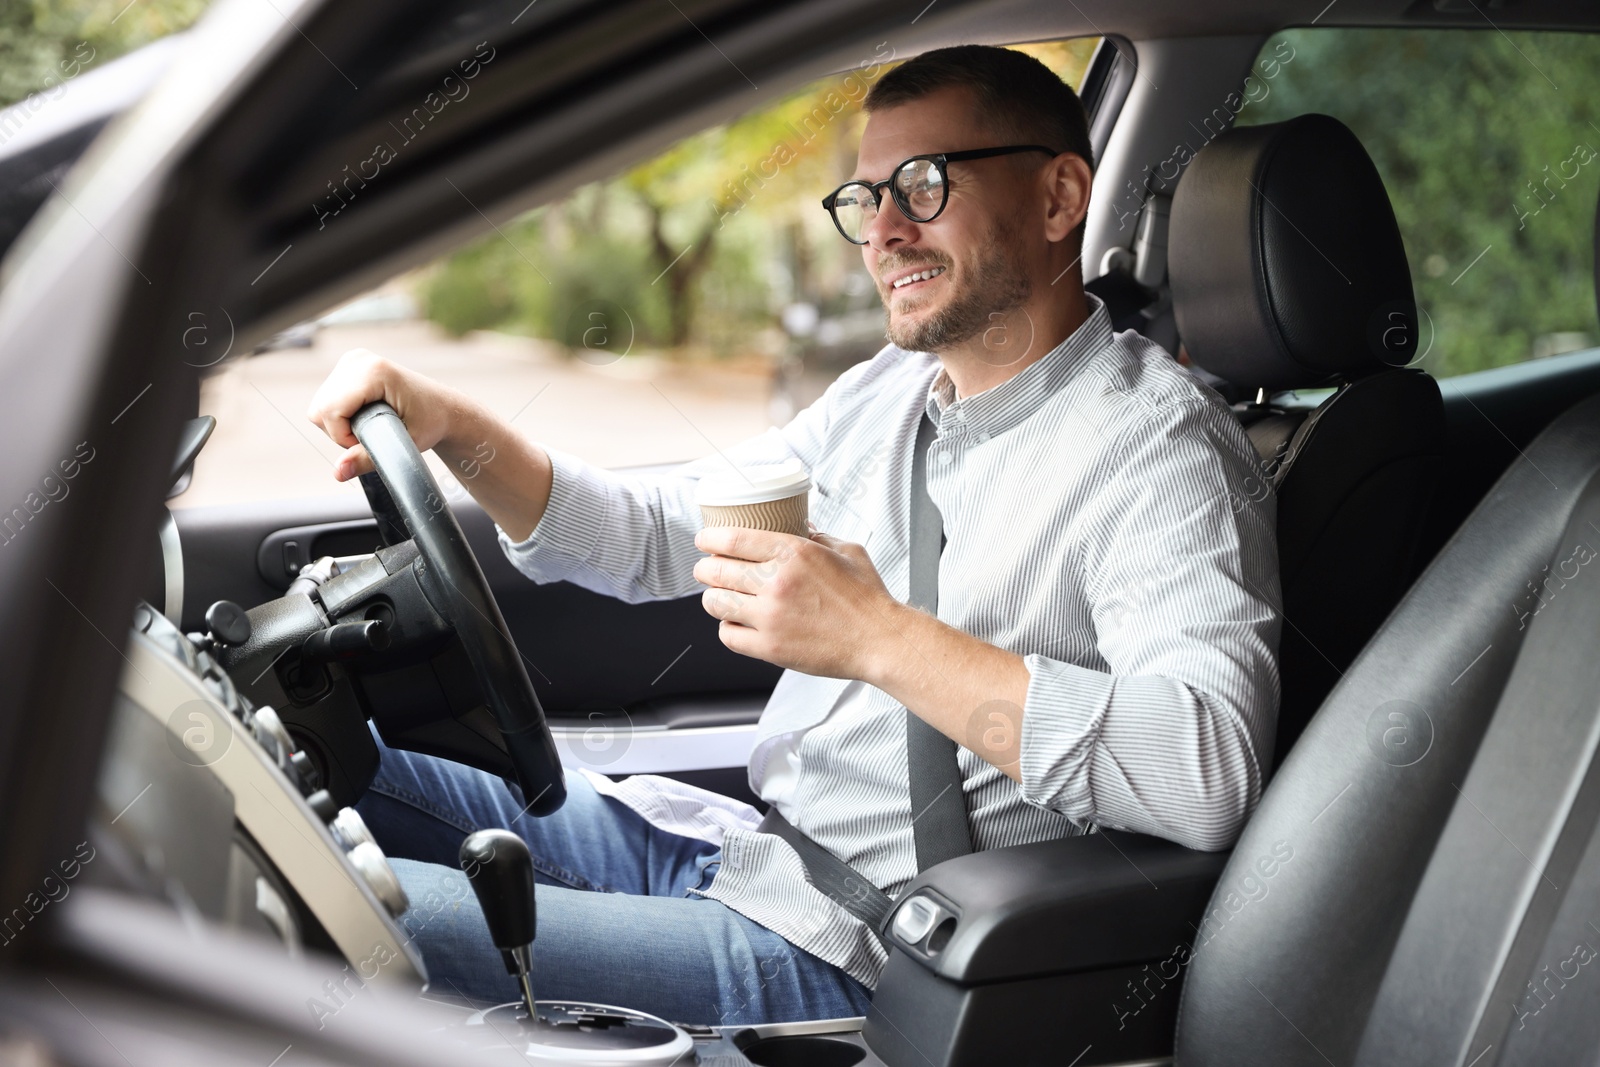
918	186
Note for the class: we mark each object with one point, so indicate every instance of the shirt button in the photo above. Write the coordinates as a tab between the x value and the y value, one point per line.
945	459
981	437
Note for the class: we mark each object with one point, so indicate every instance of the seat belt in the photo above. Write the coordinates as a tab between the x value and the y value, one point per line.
938	806
830	874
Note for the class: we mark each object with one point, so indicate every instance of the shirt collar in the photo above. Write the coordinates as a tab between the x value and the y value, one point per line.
1002	406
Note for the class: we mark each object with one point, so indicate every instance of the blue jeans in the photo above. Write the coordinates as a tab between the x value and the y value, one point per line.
616	924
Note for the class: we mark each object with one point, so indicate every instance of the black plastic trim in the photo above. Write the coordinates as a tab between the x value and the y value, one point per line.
1079	903
1105	87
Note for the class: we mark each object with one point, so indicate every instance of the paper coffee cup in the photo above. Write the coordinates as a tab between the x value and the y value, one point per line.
761	496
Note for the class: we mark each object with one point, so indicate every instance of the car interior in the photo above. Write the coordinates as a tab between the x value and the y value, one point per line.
1419	885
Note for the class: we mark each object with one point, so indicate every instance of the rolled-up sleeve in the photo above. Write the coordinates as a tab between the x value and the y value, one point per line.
631	535
1181	570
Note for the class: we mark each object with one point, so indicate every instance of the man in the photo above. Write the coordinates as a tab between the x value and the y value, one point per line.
1104	650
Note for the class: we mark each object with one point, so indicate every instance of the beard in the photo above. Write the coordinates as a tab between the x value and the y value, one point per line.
994	283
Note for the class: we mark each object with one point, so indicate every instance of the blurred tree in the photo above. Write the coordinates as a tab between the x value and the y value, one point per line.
43	44
767	158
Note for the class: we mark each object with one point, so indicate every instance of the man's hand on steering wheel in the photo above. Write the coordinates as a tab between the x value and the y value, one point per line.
429	410
507	474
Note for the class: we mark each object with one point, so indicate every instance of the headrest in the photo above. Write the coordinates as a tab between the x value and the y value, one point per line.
1286	265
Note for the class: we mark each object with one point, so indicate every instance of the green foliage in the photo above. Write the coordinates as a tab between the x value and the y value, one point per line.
551	270
595	263
42	43
1477	135
474	294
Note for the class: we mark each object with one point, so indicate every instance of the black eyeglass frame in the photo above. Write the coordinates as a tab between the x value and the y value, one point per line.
939	159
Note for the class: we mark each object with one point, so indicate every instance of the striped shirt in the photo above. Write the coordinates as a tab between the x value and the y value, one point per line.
1101	523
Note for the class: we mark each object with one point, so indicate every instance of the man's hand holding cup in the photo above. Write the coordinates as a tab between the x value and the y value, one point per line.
786	593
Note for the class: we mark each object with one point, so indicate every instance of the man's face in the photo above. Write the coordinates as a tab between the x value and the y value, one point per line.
975	246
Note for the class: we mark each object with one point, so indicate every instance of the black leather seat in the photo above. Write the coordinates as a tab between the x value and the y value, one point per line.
1442	902
1288	272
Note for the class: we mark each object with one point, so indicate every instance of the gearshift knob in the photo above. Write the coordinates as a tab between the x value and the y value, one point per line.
501	872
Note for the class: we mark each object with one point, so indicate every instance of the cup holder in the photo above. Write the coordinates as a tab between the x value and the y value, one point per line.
803	1051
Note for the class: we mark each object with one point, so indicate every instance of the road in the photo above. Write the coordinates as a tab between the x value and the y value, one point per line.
633	411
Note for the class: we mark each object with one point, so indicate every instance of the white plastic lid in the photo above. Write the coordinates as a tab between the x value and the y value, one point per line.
755	484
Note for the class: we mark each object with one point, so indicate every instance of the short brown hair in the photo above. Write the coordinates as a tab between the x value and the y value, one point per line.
1014	92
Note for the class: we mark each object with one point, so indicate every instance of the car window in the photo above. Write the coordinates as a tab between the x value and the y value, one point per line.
681	306
1489	145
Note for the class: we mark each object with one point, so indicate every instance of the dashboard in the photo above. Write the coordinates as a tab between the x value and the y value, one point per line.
205	799
204	792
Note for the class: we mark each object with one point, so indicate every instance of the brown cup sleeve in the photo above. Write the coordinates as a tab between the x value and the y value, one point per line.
779	516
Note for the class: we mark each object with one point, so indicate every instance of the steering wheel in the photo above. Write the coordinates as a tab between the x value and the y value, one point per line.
453	582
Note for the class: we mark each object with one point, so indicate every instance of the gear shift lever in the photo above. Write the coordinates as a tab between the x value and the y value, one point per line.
501	872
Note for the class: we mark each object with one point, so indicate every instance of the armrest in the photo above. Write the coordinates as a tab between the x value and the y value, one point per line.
1093	902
